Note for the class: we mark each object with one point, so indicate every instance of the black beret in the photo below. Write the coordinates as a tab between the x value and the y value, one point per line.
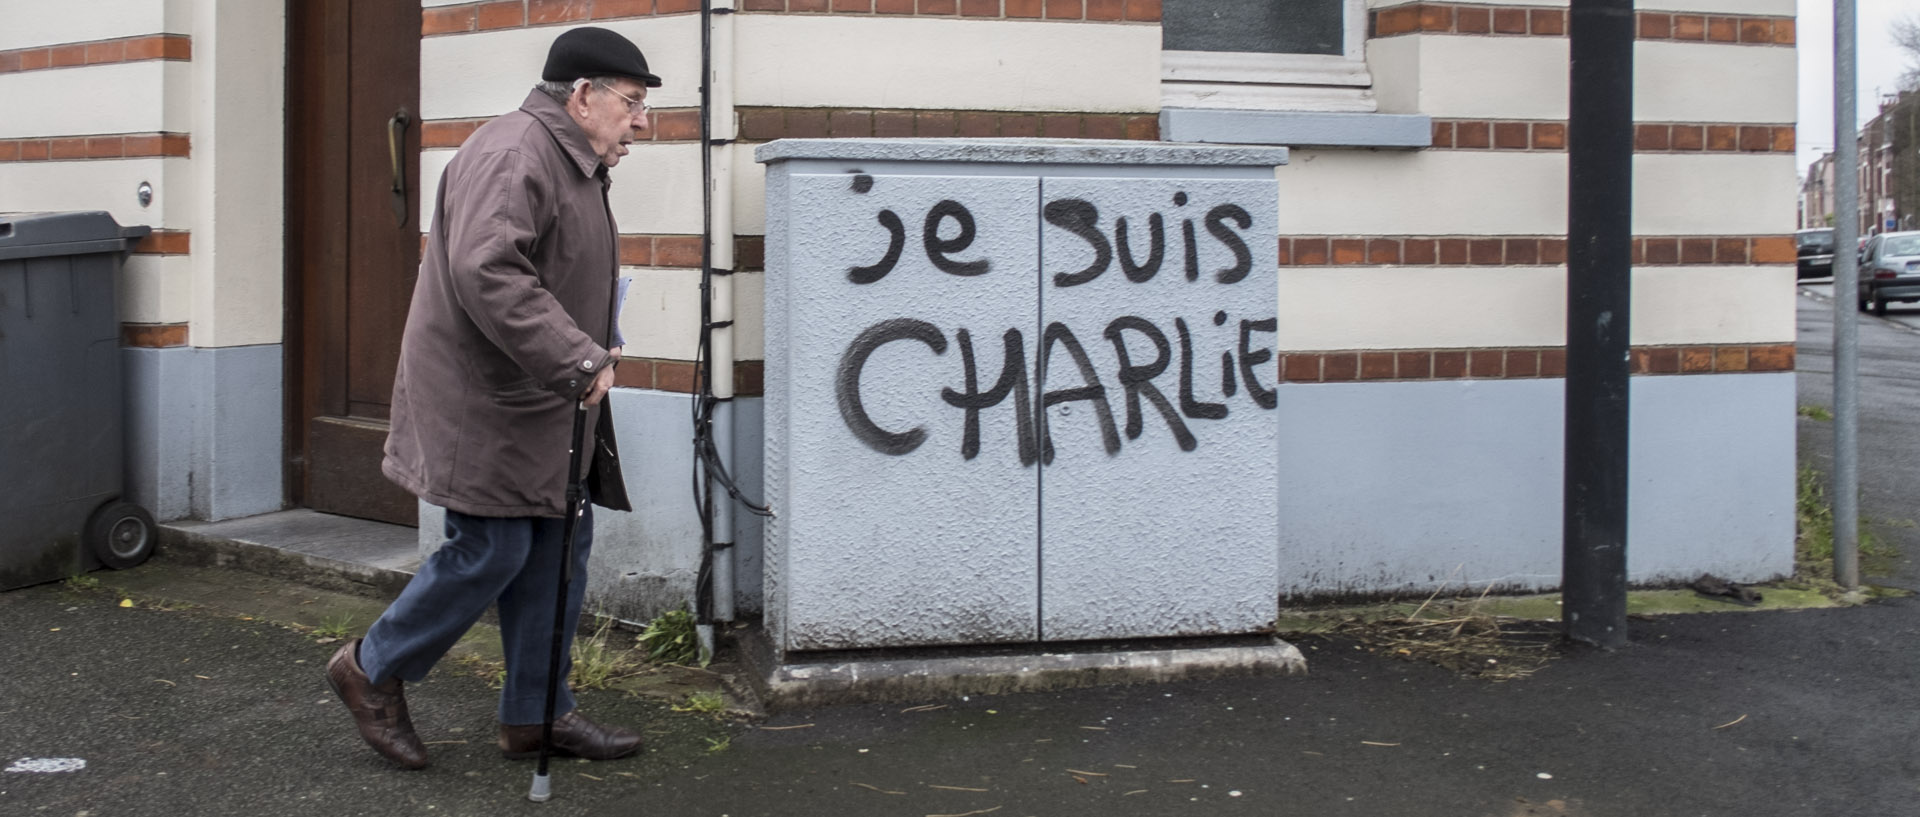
595	52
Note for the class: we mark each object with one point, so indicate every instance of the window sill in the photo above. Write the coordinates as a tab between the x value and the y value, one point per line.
1297	128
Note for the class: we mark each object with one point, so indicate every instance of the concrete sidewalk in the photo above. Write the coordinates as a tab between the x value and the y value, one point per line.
220	709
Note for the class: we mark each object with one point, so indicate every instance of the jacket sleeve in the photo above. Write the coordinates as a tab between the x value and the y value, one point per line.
490	239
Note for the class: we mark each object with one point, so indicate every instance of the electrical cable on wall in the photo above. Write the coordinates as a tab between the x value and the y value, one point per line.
708	467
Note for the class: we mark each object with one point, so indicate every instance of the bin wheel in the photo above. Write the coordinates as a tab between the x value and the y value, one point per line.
121	535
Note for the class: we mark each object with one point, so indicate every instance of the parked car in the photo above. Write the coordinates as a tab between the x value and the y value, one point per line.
1889	270
1815	249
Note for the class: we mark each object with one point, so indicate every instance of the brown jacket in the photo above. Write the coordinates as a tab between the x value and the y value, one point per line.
510	320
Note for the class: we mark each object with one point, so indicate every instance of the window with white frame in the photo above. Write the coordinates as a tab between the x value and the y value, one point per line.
1265	55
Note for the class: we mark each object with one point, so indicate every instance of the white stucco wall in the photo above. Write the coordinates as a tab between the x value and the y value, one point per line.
1451	76
1464	307
239	110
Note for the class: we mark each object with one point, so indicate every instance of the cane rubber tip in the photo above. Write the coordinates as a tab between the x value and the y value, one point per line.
542	790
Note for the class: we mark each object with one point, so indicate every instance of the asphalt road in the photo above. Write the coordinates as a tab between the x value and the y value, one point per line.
1904	314
192	712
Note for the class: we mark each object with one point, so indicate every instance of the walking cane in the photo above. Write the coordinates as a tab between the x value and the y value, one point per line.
542	785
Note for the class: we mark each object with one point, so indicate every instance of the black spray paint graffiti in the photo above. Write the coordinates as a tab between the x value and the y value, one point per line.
1134	380
1032	433
1082	218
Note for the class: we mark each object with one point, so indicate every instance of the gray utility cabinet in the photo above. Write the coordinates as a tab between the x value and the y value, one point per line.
62	413
1019	391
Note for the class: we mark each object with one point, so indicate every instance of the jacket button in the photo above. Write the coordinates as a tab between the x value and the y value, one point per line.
573	384
586	365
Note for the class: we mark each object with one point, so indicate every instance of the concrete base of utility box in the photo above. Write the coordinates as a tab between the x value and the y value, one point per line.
932	674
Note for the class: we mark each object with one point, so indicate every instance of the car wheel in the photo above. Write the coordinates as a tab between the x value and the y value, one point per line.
1879	306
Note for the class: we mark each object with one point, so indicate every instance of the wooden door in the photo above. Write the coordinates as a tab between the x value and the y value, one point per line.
353	244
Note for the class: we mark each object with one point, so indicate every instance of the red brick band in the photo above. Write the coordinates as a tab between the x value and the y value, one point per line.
153	335
1452	18
108	146
165	242
1651	137
677	375
766	124
668	125
673	251
489	16
1524	251
683	251
1521	363
98	52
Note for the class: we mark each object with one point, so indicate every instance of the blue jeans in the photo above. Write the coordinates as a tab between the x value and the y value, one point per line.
514	561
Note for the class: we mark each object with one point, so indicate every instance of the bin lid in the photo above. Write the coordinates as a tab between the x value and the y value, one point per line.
38	235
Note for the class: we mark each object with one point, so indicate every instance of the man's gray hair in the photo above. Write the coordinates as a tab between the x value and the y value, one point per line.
562	91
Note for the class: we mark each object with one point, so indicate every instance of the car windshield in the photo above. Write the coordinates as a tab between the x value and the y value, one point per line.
1816	242
1902	245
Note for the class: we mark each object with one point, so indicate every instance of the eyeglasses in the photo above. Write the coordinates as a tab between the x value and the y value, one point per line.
634	106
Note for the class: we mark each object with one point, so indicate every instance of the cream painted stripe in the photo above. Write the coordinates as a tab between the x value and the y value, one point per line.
662	315
1452	77
656	188
32	23
749	193
1455	192
1468	307
489	73
1773	8
908	62
128	97
1690	82
1746	194
102	184
156	289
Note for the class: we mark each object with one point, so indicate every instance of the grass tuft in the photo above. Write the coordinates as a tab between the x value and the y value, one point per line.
1813	535
1813	412
706	702
597	664
672	639
335	626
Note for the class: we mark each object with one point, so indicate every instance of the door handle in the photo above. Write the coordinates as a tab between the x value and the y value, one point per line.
396	141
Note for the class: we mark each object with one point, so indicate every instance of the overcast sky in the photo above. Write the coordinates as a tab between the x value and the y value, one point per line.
1880	65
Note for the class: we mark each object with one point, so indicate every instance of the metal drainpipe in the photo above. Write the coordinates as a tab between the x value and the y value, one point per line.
721	118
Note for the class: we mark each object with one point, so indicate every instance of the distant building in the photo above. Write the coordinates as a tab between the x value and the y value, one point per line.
1888	172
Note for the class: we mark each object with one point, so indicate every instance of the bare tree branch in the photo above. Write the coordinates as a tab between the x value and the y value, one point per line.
1905	33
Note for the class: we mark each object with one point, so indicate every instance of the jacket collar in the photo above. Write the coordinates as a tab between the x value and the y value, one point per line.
565	131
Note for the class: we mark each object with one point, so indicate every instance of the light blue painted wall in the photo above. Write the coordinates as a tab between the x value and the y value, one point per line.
1406	487
204	431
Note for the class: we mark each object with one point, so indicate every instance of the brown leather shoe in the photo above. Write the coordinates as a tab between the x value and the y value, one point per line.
572	735
380	710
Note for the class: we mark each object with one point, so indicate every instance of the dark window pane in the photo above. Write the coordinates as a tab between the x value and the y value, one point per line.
1265	26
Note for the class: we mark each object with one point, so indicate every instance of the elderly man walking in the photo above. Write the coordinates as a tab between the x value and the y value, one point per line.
512	322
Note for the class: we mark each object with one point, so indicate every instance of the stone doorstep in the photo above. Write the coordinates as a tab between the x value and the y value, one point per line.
330	552
933	674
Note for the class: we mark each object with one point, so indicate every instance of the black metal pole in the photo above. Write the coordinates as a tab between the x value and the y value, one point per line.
542	788
1599	286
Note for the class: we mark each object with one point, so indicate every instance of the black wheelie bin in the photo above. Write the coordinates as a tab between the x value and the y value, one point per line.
62	411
